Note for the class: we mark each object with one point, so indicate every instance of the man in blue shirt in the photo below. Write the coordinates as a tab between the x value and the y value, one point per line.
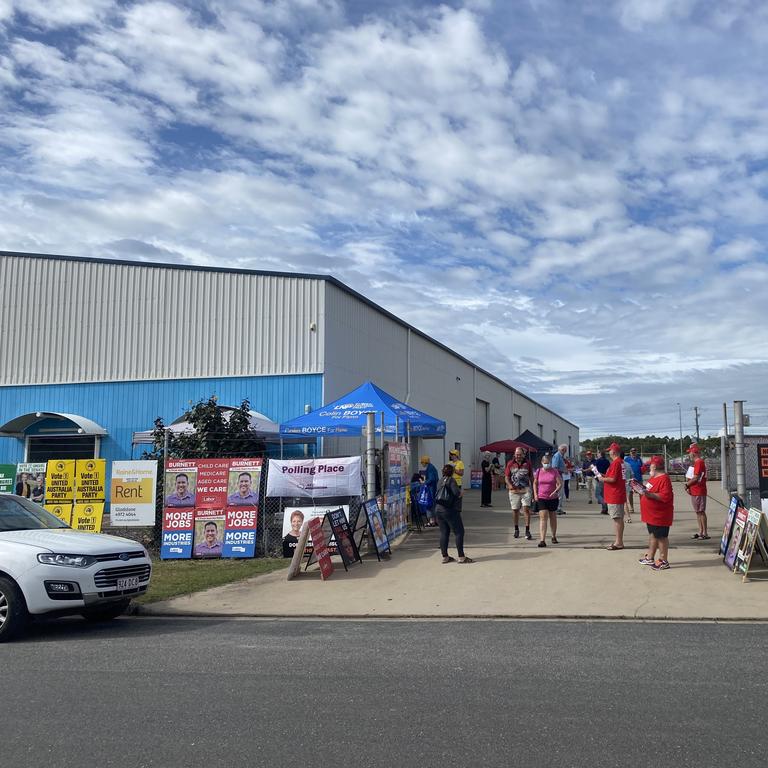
558	463
635	464
602	464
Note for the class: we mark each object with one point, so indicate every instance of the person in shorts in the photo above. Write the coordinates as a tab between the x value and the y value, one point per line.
697	487
518	475
657	512
547	486
615	494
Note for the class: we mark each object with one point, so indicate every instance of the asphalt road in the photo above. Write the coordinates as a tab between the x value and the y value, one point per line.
197	692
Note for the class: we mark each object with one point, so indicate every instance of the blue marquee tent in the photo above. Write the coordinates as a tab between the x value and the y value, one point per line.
346	417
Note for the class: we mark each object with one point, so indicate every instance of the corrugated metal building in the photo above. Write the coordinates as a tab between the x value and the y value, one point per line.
112	345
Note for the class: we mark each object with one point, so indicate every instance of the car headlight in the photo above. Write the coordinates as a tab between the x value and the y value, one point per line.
73	561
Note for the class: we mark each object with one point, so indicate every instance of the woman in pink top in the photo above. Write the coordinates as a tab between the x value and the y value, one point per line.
546	492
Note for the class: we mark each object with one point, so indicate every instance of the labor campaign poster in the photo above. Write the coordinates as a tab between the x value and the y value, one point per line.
240	528
212	475
60	481
30	481
8	478
180	483
90	480
62	511
132	493
178	532
243	482
221	497
209	533
315	478
88	517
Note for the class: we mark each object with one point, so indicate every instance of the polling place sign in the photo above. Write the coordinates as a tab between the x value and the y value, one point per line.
315	478
132	493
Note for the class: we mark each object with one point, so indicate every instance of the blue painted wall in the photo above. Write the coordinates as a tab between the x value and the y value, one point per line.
123	408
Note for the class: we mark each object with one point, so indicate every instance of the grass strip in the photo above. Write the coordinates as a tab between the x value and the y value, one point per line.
182	577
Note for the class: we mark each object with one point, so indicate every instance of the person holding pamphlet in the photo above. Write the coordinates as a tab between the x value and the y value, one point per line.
657	512
614	493
696	486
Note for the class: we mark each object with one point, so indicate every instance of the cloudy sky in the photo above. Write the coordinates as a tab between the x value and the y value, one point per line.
572	194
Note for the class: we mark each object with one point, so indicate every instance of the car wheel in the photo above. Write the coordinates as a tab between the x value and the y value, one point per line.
13	610
105	612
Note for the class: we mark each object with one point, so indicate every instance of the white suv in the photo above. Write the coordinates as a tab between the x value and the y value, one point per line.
47	568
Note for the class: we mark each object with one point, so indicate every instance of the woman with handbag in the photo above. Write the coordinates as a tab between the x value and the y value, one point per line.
546	492
448	514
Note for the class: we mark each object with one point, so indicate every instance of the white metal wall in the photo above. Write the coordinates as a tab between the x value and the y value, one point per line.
81	321
362	343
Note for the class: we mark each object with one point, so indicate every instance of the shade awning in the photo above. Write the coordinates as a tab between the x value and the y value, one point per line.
536	442
72	422
260	424
506	446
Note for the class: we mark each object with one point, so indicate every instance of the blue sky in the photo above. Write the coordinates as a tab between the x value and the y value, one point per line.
573	195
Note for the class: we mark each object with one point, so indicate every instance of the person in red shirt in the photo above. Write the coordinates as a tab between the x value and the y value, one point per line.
615	494
656	511
697	487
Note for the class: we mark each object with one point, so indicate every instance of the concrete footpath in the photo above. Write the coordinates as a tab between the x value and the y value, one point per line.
577	578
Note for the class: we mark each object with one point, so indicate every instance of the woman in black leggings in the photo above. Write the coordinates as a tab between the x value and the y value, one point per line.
448	514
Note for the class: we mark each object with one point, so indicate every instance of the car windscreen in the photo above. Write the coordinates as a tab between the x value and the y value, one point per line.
19	514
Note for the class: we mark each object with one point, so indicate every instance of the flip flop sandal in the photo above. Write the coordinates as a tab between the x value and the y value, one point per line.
449	559
705	537
614	548
696	536
466	560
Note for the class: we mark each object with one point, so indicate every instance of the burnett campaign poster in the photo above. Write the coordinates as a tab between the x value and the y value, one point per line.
211	508
315	478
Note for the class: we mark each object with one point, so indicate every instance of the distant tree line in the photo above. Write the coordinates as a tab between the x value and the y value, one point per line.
651	444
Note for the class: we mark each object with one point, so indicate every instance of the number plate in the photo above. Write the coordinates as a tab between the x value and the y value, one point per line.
130	583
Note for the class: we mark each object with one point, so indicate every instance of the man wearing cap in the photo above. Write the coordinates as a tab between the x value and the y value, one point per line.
696	485
615	494
656	511
518	475
454	459
589	475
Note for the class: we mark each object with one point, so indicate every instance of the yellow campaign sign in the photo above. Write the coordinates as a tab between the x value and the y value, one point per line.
62	511
87	517
60	481
91	480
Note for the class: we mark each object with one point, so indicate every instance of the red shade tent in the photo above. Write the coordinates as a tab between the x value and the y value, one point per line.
506	446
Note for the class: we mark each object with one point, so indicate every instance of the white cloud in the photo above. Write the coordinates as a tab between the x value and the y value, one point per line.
587	210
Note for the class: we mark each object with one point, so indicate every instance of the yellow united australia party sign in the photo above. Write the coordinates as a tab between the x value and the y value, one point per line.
62	511
87	517
91	475
132	493
60	482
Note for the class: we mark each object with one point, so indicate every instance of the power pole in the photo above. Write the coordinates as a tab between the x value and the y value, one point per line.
680	416
696	414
